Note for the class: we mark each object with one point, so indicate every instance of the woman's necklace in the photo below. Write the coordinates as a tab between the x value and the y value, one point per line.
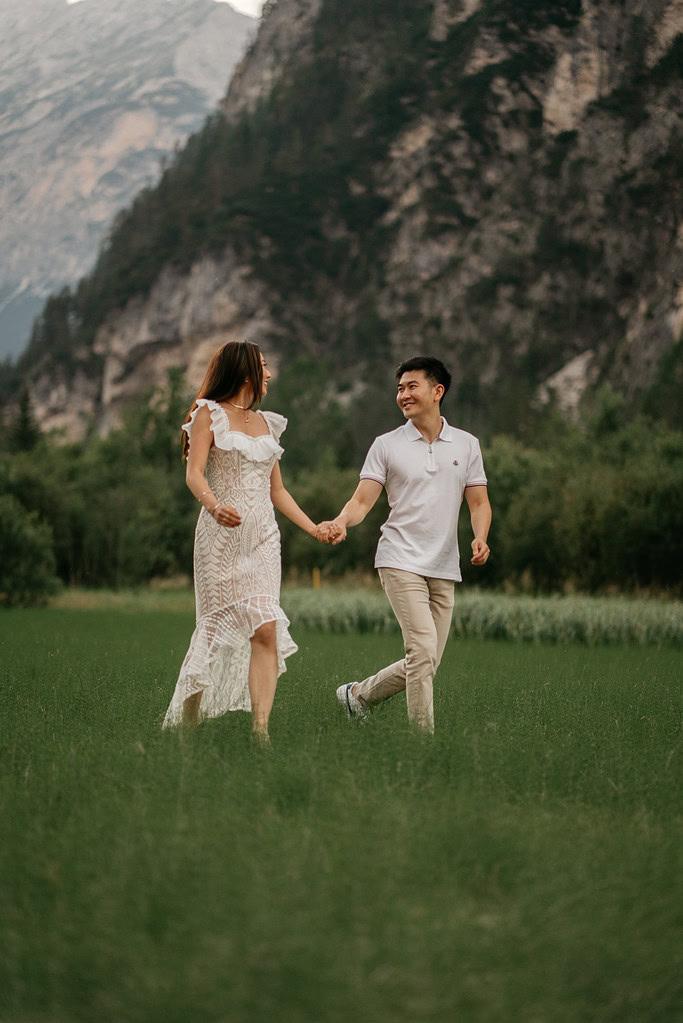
243	408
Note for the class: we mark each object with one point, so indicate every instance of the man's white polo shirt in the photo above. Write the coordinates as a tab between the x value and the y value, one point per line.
425	484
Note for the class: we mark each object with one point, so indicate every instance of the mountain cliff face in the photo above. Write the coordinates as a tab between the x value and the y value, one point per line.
495	183
94	96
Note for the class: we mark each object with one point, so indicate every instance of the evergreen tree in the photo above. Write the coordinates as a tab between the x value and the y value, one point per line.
24	432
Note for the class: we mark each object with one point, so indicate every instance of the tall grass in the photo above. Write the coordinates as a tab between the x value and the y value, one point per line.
523	865
591	621
588	620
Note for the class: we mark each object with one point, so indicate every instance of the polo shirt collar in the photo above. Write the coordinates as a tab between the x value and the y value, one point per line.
414	434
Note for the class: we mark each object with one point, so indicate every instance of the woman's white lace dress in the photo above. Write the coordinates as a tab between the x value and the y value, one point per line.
236	570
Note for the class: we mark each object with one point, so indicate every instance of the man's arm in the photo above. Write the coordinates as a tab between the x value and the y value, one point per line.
354	511
480	516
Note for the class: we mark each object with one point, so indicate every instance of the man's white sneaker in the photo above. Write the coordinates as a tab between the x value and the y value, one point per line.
352	706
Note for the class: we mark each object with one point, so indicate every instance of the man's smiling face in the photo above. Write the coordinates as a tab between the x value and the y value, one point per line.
417	394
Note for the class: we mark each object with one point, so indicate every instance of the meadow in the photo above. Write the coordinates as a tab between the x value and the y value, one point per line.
523	865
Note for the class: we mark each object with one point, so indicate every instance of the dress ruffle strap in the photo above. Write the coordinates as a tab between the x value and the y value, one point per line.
258	448
276	423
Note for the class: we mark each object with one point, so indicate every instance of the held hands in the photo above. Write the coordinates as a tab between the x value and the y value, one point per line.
480	551
331	532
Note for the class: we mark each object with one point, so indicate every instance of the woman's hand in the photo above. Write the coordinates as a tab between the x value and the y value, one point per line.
226	515
322	532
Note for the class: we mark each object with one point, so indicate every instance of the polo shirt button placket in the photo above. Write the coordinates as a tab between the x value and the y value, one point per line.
431	462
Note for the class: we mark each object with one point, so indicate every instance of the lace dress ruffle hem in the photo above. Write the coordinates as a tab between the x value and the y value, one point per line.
217	662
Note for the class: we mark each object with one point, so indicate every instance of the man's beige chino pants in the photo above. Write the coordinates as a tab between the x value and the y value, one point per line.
424	608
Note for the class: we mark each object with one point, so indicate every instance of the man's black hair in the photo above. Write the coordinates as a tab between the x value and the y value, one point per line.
433	369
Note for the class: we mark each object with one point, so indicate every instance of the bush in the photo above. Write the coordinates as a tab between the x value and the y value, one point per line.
27	561
588	509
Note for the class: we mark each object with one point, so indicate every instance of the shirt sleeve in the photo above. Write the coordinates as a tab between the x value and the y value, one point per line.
476	477
375	464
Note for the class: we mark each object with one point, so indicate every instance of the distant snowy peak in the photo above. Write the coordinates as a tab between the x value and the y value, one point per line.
95	95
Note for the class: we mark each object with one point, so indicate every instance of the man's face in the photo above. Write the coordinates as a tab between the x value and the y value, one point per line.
417	394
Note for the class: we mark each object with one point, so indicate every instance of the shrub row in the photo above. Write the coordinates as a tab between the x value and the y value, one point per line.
576	511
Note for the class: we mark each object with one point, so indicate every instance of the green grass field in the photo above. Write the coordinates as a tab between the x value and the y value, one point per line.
524	865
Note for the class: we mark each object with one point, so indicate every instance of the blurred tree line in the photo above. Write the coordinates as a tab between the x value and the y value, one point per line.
588	509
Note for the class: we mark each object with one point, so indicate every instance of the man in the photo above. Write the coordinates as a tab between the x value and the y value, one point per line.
426	467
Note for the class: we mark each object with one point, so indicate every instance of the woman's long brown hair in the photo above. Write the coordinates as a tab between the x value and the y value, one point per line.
232	365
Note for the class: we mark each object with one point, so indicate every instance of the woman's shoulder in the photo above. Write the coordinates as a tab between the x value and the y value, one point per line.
207	406
205	413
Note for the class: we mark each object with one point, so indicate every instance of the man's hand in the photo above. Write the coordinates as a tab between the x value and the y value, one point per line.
330	532
480	514
339	532
480	551
322	532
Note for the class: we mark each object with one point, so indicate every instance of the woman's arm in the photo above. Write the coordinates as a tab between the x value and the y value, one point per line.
200	444
284	502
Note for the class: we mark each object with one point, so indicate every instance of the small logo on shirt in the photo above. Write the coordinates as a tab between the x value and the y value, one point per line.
455	461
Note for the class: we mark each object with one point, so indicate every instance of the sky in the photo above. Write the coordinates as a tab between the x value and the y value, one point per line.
252	7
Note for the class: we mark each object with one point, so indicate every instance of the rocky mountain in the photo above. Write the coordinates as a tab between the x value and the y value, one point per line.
93	97
497	182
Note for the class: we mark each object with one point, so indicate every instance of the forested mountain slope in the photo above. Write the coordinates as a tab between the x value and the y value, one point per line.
494	182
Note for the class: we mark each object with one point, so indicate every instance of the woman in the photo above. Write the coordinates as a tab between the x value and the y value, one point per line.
241	640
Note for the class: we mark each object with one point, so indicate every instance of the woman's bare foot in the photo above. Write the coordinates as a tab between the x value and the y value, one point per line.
260	738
